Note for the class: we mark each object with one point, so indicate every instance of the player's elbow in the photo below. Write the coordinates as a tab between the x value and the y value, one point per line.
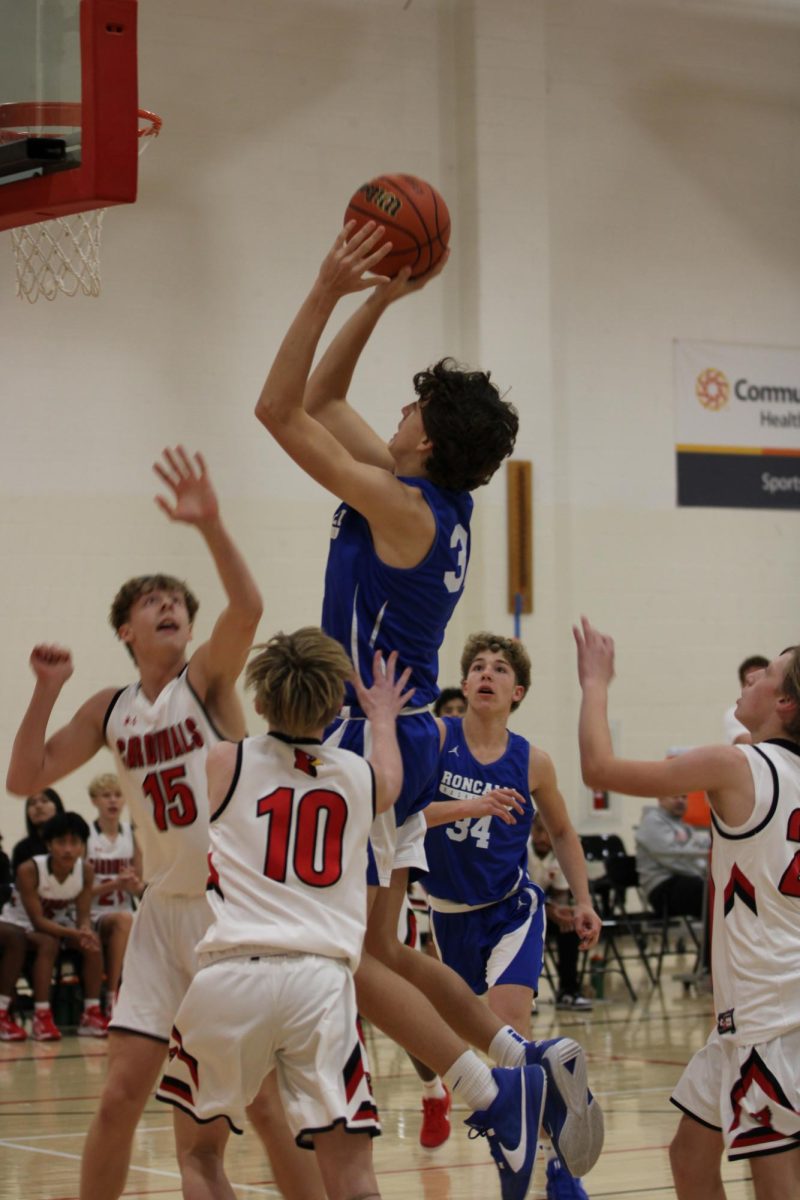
269	409
20	783
593	772
265	409
252	610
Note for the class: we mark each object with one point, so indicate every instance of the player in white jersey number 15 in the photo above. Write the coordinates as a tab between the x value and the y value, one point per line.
741	1092
159	729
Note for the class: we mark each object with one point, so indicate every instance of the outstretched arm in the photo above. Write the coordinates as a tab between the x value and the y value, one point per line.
566	844
216	665
381	704
36	760
721	771
396	513
326	393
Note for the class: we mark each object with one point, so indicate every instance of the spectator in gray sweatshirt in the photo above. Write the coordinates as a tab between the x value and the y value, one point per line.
672	858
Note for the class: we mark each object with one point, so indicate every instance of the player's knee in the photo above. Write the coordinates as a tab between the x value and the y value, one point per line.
201	1157
122	1094
126	1089
691	1166
676	1161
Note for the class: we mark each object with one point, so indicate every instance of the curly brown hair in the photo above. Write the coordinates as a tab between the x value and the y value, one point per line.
142	585
512	651
471	428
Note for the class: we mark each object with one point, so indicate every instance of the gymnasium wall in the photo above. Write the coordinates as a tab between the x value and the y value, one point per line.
619	173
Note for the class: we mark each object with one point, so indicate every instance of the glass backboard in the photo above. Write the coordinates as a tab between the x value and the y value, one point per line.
68	107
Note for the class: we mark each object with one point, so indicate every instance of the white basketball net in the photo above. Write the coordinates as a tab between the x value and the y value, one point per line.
62	255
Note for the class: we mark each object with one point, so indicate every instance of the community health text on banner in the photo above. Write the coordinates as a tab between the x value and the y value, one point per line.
737	421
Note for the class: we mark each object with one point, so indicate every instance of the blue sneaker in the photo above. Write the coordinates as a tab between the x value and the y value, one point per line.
511	1123
561	1185
572	1117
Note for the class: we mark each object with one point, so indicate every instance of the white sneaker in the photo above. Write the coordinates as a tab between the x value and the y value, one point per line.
574	1003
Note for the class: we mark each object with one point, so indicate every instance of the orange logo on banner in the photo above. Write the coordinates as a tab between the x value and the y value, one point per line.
712	388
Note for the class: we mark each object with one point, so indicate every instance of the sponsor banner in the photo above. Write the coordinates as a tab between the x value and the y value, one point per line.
737	418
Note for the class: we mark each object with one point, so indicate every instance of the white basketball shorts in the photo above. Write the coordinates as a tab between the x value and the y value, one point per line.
750	1093
160	963
296	1013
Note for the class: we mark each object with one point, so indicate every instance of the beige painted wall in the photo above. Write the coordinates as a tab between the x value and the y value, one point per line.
620	172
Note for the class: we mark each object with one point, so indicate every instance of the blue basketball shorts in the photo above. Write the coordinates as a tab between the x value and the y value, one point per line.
502	943
418	738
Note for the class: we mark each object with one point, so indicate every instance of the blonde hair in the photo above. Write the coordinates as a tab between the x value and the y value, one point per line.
513	652
298	680
104	783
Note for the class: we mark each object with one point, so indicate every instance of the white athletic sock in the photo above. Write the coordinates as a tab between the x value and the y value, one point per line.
471	1080
42	1006
5	1003
508	1048
87	1004
433	1089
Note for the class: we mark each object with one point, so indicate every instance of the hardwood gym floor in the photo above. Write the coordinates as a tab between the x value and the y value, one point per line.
636	1053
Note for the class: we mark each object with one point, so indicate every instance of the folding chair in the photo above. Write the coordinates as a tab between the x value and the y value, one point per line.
650	930
608	896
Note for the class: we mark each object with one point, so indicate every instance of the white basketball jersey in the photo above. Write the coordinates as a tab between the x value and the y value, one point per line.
58	896
109	856
161	749
756	933
289	851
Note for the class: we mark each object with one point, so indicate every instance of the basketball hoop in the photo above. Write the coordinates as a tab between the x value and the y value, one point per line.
63	254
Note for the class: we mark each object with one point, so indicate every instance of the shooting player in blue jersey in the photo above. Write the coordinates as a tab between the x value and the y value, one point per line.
399	552
487	918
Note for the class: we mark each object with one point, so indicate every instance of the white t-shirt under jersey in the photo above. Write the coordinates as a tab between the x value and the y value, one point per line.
289	851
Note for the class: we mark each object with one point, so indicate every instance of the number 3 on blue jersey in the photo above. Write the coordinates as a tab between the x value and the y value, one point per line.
454	580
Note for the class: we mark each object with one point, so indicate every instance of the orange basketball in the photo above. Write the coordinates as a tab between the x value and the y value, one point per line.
414	215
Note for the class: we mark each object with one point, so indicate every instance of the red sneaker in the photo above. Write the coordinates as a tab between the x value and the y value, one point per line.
93	1023
435	1121
44	1027
10	1031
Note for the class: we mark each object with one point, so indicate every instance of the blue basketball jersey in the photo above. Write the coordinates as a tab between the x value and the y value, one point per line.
478	860
370	606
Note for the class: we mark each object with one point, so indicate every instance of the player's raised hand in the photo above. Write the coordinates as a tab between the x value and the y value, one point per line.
194	500
350	264
595	654
388	694
404	285
51	664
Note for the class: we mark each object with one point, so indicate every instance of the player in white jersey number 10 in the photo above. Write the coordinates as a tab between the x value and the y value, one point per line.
741	1092
290	820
